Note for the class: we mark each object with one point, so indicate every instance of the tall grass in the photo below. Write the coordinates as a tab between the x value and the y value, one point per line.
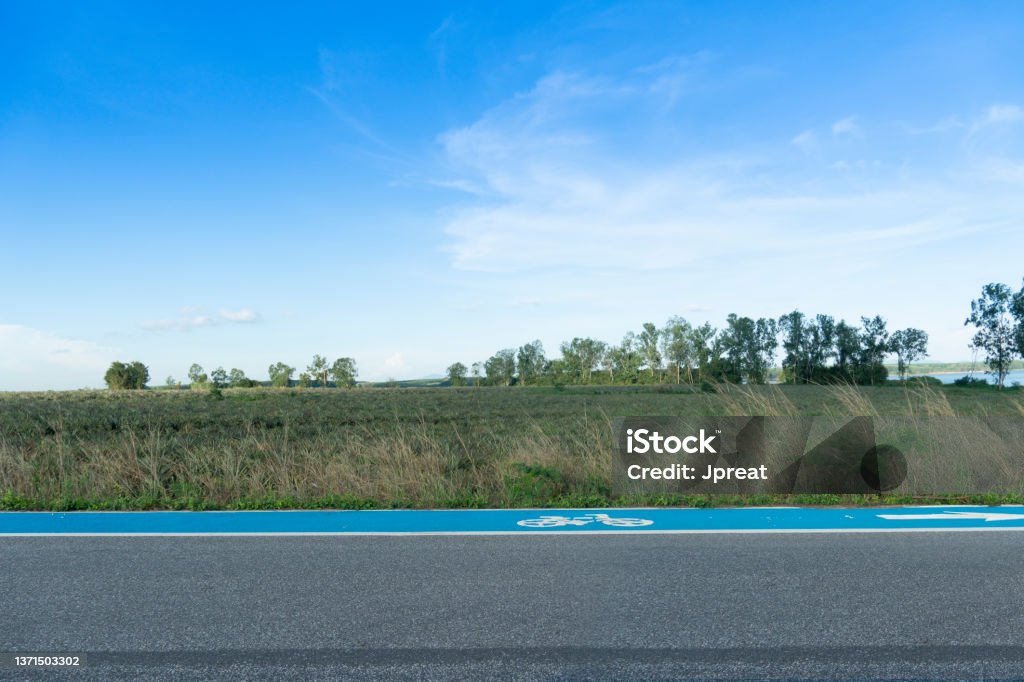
410	448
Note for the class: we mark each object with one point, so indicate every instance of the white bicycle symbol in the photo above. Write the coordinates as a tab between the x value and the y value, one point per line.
555	521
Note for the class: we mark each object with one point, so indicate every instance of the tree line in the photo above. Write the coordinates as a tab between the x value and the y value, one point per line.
319	373
813	349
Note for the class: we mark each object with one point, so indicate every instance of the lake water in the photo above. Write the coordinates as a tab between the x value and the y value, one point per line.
1016	375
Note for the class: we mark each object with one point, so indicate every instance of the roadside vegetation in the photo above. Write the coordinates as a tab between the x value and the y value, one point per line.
517	430
391	448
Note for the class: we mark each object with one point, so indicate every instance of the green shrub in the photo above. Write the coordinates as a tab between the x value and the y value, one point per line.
534	484
972	382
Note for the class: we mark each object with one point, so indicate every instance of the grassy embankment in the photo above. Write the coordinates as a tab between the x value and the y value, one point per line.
379	448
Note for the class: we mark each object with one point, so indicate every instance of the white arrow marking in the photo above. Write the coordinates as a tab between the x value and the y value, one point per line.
986	516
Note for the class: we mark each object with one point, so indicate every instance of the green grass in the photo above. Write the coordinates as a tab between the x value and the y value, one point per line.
388	448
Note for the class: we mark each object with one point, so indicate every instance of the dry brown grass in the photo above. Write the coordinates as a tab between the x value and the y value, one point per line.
446	447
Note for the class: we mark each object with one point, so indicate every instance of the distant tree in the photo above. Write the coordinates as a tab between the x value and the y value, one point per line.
819	346
219	378
793	329
677	347
305	380
623	361
344	372
649	337
582	356
197	377
847	346
530	362
280	374
126	376
501	367
761	355
237	378
735	339
702	341
909	345
171	383
1017	310
318	369
997	333
874	339
457	374
477	371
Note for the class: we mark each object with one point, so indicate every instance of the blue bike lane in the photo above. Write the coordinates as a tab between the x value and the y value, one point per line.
517	521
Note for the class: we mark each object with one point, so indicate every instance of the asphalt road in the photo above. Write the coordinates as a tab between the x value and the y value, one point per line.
804	606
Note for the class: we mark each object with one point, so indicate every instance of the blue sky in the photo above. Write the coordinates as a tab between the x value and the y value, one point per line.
413	184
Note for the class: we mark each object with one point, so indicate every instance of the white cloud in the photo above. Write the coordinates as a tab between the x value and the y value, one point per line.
997	115
1004	113
556	195
190	317
845	126
804	139
33	359
591	225
394	361
941	126
240	315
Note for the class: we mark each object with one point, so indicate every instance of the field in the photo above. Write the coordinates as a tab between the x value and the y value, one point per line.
387	448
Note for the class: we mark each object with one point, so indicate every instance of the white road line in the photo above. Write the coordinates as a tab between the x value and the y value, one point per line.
702	531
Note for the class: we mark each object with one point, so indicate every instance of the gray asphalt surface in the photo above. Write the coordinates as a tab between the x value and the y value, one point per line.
807	606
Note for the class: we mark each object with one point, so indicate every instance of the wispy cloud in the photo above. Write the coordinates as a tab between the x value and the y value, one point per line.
190	318
556	195
997	115
943	125
805	139
240	315
1004	113
23	347
845	126
31	359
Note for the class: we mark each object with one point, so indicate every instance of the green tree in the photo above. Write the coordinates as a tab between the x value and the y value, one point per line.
792	328
500	368
237	378
280	374
344	372
581	357
874	346
736	335
456	374
530	362
305	380
648	338
318	369
197	377
702	340
909	345
477	372
997	332
847	347
219	378
126	376
1017	310
677	347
